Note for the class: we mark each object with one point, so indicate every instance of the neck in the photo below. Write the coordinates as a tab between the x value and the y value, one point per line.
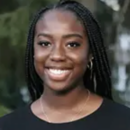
65	101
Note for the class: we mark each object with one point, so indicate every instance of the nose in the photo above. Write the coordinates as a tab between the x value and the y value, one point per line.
57	54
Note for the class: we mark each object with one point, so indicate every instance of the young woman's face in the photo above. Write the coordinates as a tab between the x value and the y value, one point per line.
61	51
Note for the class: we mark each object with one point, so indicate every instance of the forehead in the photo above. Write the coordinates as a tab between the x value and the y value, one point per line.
59	19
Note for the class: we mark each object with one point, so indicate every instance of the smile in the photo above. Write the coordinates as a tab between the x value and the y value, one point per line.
58	71
58	74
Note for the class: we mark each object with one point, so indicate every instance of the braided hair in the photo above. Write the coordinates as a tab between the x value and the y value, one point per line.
101	70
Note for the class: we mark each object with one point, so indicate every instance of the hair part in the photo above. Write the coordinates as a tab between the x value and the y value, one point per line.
101	67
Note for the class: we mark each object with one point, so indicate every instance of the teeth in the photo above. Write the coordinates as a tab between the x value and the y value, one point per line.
54	71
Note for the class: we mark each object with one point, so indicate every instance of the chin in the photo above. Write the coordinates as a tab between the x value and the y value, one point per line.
64	89
61	91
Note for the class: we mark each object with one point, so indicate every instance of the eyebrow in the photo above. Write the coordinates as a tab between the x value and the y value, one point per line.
64	36
44	34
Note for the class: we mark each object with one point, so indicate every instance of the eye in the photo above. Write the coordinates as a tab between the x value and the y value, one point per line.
73	44
44	43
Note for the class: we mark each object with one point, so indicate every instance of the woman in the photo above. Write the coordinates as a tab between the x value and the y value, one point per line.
68	75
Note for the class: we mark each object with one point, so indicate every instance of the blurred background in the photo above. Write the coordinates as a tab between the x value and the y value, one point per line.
15	15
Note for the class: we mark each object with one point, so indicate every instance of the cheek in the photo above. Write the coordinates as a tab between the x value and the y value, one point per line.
82	62
80	59
84	57
39	61
40	54
39	57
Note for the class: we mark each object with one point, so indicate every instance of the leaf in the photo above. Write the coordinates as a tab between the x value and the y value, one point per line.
3	110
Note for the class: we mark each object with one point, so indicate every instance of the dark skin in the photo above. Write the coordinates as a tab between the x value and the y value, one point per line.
60	43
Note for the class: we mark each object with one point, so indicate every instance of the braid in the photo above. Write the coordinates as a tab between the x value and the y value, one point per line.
101	66
95	53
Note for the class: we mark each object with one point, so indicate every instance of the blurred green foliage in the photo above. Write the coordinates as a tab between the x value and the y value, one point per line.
3	111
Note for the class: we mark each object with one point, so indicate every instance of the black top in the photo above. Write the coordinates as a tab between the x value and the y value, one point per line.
109	116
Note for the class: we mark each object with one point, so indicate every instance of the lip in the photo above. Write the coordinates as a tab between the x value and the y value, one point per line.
58	77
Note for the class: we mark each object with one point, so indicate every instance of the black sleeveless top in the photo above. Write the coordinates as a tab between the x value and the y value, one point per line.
109	116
